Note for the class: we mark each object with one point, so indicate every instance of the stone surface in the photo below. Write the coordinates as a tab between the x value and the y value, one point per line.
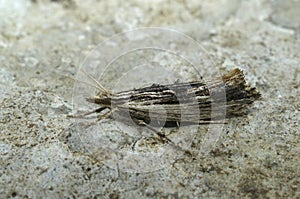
44	156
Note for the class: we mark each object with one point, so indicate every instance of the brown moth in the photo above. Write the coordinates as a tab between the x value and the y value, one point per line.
187	103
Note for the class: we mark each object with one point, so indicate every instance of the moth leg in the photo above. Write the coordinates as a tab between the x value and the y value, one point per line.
99	118
163	137
160	135
98	110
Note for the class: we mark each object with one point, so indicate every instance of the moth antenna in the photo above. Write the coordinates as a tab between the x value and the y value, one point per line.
94	80
92	85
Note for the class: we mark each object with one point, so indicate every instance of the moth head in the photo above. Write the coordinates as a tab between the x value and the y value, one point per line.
101	98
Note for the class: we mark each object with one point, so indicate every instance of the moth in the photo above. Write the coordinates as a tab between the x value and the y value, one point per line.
172	105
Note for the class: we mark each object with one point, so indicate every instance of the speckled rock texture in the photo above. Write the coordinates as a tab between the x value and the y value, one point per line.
43	42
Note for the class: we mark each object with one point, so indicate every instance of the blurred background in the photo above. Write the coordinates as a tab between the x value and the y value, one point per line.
43	41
